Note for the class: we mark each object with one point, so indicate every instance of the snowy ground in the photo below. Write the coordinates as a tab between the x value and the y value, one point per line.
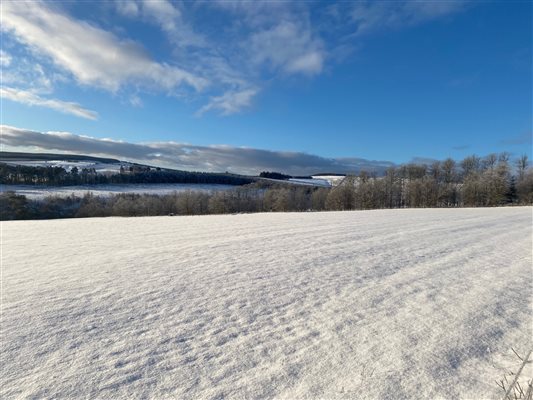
319	180
333	180
40	192
420	304
312	182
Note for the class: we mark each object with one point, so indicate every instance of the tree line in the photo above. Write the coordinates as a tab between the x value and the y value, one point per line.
59	176
473	182
253	198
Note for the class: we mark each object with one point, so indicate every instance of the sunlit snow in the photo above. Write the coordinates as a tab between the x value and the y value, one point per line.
418	304
105	190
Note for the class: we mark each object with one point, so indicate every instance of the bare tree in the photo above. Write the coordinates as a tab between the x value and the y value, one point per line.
489	161
470	164
521	165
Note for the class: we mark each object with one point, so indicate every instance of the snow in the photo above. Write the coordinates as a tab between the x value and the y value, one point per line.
381	304
68	165
314	182
40	192
333	180
319	180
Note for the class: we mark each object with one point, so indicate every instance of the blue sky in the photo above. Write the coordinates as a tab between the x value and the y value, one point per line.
246	86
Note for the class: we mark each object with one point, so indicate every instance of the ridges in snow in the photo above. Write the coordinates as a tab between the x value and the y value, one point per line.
365	304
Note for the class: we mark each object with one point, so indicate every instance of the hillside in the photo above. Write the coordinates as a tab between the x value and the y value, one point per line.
49	169
71	170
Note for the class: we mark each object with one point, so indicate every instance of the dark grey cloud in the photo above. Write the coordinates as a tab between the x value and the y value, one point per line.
185	156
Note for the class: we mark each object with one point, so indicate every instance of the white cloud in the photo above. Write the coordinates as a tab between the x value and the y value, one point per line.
261	34
310	63
224	64
425	10
135	101
32	99
163	12
167	16
5	59
290	46
128	8
374	15
93	56
28	74
231	102
185	156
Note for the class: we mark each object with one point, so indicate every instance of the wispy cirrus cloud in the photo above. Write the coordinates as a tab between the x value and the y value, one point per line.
224	66
27	74
90	54
5	59
288	46
33	99
369	16
165	14
186	156
230	102
265	39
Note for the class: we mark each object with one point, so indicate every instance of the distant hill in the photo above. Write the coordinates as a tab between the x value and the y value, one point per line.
30	168
18	168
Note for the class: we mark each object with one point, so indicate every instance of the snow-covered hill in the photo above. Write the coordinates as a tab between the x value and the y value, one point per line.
99	167
396	304
66	161
319	180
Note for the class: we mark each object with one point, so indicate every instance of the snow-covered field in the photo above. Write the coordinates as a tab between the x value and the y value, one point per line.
40	192
68	165
319	180
312	182
333	180
388	304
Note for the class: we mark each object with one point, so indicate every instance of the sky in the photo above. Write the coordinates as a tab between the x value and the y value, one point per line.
299	87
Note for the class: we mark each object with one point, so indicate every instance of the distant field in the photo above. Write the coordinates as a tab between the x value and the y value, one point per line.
397	304
39	192
100	167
